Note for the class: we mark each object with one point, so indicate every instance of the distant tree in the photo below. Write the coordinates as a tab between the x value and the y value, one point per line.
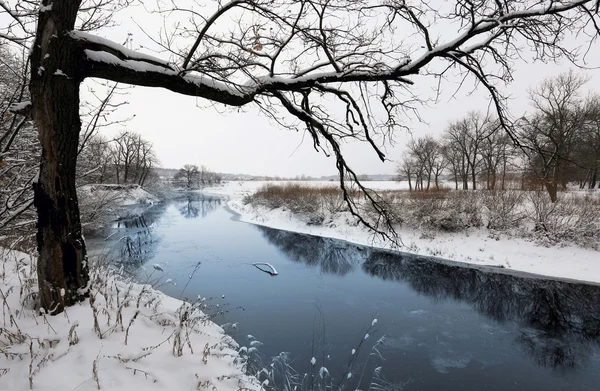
406	171
466	137
188	174
132	157
95	161
496	151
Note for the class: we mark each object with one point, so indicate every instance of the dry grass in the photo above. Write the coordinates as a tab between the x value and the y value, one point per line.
512	211
315	202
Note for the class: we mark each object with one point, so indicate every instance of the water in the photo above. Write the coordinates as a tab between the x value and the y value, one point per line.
446	327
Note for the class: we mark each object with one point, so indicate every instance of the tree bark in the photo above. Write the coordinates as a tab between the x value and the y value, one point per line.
55	80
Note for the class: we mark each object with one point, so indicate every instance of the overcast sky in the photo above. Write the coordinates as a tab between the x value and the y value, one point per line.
185	130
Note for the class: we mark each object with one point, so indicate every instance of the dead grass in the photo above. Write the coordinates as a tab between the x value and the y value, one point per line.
574	219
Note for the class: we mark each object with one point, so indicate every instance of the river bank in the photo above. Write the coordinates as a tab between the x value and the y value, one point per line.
473	246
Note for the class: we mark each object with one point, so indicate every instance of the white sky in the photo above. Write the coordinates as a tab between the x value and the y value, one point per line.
183	130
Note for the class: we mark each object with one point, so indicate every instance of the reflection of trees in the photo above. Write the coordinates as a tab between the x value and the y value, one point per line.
330	255
564	317
195	205
561	321
137	243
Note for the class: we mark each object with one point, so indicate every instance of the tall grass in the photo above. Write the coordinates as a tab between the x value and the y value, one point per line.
522	213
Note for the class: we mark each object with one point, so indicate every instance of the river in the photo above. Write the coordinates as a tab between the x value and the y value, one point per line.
431	324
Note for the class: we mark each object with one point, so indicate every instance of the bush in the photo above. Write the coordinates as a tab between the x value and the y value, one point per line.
570	218
442	210
315	202
504	208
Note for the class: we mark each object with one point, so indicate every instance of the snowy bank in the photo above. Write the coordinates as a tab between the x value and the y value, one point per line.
102	203
473	246
120	194
126	336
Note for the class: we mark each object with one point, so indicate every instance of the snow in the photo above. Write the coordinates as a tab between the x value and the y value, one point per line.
473	247
71	351
123	194
83	36
59	72
46	8
19	106
272	272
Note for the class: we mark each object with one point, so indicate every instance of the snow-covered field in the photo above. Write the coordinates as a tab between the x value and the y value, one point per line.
129	337
474	246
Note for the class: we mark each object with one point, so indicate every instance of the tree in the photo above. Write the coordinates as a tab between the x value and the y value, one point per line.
495	152
588	145
189	174
550	134
293	55
406	171
19	149
132	158
467	136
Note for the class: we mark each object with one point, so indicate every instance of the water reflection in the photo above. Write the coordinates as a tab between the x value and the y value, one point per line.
330	255
138	243
560	321
196	205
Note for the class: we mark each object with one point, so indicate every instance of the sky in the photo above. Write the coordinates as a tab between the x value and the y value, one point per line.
189	130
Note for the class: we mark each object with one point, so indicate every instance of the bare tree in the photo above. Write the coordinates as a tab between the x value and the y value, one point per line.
406	171
301	56
588	145
95	161
495	151
467	136
549	135
189	173
19	149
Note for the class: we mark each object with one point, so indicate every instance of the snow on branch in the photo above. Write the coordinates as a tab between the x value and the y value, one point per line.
22	108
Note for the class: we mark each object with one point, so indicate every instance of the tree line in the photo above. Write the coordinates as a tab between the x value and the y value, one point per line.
558	143
126	159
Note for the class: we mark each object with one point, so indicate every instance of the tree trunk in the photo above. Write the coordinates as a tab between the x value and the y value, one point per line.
552	188
473	177
55	79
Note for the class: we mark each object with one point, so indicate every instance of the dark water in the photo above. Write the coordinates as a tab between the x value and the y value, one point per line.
439	326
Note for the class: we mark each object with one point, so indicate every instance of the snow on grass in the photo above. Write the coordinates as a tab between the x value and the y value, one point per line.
123	194
472	246
126	336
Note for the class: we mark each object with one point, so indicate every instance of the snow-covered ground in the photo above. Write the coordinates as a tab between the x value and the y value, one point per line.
474	246
142	340
121	194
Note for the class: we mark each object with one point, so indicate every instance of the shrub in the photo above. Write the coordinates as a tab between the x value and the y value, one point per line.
570	218
504	208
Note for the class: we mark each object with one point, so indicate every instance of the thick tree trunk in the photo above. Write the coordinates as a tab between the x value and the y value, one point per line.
54	86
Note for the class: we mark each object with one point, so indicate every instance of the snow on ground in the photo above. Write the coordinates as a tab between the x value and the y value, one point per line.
472	247
143	340
121	194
